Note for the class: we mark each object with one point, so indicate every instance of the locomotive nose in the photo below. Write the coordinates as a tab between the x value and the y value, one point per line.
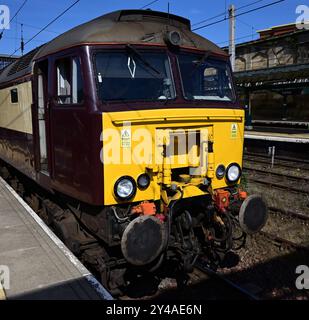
253	214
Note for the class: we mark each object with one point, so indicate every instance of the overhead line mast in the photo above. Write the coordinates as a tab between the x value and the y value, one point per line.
22	43
232	35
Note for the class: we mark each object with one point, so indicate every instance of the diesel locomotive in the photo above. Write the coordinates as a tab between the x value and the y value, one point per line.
129	133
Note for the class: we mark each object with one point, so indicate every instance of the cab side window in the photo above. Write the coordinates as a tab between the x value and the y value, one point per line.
69	81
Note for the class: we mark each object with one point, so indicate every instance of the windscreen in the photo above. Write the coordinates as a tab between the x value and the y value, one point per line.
205	79
134	76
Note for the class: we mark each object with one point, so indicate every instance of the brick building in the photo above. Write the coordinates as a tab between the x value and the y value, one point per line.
272	75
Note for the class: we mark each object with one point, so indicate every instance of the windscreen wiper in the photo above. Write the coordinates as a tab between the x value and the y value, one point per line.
199	62
142	59
203	59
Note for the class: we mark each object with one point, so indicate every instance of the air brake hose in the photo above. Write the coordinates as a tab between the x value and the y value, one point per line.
170	216
228	234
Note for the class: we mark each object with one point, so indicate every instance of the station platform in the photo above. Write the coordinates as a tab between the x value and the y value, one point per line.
37	264
277	137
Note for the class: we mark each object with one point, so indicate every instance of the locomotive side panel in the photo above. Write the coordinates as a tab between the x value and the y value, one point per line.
16	138
74	127
75	149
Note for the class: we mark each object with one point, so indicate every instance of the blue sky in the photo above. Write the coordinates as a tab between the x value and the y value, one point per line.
37	13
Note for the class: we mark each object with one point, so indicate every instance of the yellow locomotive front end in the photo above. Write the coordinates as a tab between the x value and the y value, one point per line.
172	145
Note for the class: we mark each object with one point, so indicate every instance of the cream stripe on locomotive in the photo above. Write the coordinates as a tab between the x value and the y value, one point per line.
16	115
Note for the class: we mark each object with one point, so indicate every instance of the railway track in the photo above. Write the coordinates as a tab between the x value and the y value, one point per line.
285	175
284	242
289	213
279	162
275	174
279	181
280	158
267	271
273	248
239	290
296	218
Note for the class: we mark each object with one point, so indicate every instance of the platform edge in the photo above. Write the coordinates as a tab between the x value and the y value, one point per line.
94	283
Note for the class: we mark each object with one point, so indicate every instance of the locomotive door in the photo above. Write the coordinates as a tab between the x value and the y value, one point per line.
41	112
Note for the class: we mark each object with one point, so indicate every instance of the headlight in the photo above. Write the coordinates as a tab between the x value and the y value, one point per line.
220	172
173	38
143	181
125	188
233	172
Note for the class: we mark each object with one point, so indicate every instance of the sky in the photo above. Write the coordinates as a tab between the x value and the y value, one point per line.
37	13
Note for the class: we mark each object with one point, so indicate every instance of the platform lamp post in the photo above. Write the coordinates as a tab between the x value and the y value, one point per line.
248	116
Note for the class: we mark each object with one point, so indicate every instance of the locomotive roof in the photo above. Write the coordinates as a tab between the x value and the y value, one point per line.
124	26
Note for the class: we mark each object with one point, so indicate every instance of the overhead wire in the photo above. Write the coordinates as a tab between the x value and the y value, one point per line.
149	4
239	14
226	11
38	28
14	16
239	38
50	23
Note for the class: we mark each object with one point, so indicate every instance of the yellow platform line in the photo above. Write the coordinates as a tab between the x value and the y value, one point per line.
2	292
